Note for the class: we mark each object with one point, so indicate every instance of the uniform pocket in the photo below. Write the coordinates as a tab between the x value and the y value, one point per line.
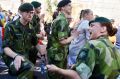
19	42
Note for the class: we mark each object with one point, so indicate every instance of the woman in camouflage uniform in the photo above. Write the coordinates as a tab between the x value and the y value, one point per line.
99	59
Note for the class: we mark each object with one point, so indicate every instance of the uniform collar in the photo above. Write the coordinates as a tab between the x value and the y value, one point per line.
62	14
19	24
104	36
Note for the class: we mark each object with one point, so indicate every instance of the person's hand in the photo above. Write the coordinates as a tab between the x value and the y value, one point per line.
72	31
52	68
75	33
17	62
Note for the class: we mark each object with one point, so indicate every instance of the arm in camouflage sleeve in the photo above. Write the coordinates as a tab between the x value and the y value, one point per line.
69	74
7	43
86	61
8	51
63	32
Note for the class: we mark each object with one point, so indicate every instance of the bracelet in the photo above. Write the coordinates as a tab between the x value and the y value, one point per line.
15	56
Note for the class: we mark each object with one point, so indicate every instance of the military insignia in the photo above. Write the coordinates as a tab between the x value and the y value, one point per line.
83	54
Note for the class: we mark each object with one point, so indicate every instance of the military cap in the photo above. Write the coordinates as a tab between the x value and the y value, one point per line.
100	20
63	3
36	4
26	7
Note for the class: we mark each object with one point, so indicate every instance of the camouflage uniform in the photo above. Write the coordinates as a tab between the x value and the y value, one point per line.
57	53
36	26
35	23
99	59
21	39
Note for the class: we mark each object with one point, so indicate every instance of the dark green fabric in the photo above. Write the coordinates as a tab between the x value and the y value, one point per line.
19	39
57	53
26	7
36	24
62	3
36	4
100	20
99	59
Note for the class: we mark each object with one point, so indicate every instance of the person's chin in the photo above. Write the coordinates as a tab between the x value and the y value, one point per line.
92	37
29	20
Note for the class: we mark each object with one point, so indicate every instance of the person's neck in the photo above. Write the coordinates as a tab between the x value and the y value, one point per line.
84	18
66	14
102	34
36	13
23	22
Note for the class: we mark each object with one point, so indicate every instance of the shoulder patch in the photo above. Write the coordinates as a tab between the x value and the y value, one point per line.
83	54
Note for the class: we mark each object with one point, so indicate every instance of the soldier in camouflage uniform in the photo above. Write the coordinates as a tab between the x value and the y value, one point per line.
58	42
35	20
20	38
35	23
99	59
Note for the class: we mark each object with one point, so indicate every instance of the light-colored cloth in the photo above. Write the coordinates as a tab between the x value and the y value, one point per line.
78	42
117	44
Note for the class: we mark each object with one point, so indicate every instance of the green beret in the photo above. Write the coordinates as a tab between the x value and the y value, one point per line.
100	20
63	3
26	7
36	4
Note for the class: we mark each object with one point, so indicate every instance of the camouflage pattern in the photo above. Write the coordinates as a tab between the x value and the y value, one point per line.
35	23
57	53
20	39
99	59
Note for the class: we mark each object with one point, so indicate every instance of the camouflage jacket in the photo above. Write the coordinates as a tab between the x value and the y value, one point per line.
99	59
19	38
60	30
35	23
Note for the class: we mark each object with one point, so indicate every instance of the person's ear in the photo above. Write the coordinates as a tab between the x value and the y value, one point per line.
62	8
20	13
103	29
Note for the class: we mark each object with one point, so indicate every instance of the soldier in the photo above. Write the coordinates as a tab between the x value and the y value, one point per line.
35	20
99	59
59	39
19	39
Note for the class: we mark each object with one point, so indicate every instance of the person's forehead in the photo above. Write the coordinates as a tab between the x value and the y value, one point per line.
95	23
38	7
68	4
29	11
